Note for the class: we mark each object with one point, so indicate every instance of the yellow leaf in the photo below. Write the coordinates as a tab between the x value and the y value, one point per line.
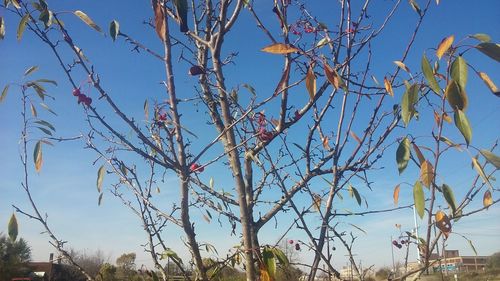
317	202
426	173
480	171
311	82
396	195
280	49
388	87
264	275
487	199
443	223
446	117
444	46
401	65
87	20
489	83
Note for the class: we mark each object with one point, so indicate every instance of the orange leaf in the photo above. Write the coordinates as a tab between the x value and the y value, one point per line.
160	25
325	143
426	173
443	223
437	118
354	136
444	46
388	87
446	117
280	49
331	76
396	195
487	199
311	82
420	156
283	81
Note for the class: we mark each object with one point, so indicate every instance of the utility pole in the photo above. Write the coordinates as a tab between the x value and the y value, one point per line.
392	252
350	261
416	233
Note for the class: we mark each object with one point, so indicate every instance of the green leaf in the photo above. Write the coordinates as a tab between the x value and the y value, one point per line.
463	125
2	28
269	261
181	7
280	256
30	70
429	75
456	96
354	193
13	228
4	93
410	97
99	200
169	253
211	183
100	177
46	124
22	26
114	29
459	71
481	37
492	50
47	81
155	277
46	107
449	197
146	109
418	197
472	246
403	154
491	157
37	156
86	19
47	17
45	131
480	171
358	228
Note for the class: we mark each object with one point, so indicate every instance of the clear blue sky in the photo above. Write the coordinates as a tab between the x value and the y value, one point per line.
65	189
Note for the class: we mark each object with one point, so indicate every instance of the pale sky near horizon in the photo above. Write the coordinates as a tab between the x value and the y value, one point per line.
65	189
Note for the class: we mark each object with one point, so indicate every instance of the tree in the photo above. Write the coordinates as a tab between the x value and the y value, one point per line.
14	258
494	261
383	273
107	273
125	266
296	147
91	262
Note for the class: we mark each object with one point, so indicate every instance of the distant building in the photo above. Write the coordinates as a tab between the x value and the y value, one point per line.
50	271
452	261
